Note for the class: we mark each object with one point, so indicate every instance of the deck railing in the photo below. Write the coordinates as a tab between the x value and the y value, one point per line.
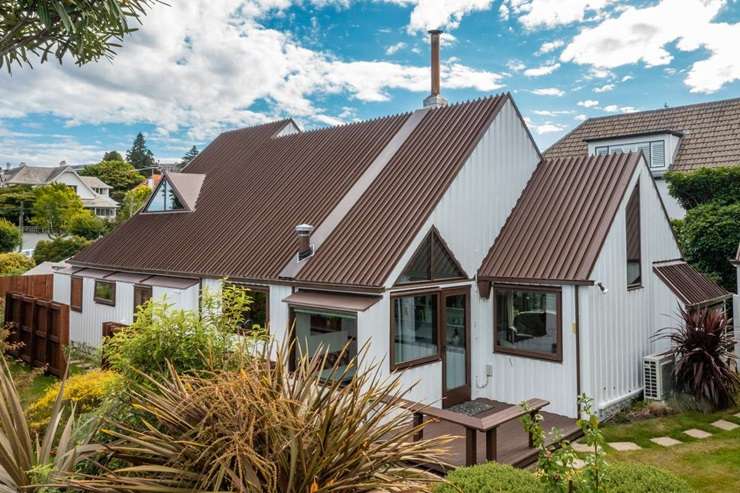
487	424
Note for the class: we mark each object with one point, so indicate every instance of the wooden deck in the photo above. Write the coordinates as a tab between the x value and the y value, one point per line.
512	441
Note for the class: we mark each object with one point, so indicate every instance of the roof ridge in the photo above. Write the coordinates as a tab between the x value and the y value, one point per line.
346	124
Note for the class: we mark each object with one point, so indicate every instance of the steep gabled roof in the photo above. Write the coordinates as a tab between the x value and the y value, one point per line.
710	133
560	222
94	182
690	285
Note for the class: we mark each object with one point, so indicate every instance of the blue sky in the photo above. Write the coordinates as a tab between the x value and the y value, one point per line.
197	68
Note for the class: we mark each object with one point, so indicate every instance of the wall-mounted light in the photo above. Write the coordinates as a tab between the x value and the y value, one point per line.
603	288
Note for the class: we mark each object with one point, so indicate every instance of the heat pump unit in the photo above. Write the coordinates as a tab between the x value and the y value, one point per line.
658	376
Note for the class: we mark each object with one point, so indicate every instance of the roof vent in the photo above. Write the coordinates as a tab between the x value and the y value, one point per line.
435	100
303	235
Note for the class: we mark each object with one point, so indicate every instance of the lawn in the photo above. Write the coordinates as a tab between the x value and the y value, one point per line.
31	384
708	465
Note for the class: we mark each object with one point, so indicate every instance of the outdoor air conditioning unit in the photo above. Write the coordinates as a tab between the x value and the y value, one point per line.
658	376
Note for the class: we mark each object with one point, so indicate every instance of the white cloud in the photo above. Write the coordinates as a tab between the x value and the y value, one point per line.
546	69
549	46
201	66
552	113
643	35
515	65
394	48
589	103
503	12
581	117
39	149
439	14
547	128
613	108
548	91
599	73
626	78
604	88
550	13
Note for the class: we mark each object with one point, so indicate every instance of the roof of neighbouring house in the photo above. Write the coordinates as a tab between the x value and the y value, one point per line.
693	287
710	133
561	220
260	182
32	175
94	182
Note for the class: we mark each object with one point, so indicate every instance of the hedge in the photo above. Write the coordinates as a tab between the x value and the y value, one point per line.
639	478
693	188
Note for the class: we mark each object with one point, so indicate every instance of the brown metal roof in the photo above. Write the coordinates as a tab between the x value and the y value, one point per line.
257	189
693	287
560	222
711	133
332	301
368	242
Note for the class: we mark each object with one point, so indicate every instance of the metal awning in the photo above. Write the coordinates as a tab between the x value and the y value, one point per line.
94	273
170	282
332	301
131	277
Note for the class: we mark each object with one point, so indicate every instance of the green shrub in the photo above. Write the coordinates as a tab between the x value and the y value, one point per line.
86	225
490	478
640	478
14	263
58	249
720	185
10	236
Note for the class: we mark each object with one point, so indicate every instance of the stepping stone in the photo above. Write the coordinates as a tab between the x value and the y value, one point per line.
582	448
693	432
665	441
579	464
725	425
624	446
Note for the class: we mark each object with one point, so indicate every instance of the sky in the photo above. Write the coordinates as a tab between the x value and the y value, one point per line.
198	67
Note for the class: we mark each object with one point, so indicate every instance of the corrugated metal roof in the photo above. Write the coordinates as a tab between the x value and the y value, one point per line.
693	287
257	189
370	239
711	133
561	220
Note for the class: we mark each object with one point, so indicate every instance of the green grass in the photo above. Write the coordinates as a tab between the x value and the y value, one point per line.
31	384
708	465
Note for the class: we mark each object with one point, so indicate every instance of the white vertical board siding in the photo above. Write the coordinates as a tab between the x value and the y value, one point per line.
620	323
177	299
279	312
61	288
87	327
673	208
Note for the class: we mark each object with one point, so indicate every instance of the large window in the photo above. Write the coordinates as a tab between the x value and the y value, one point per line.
634	248
414	330
527	322
105	292
654	151
164	199
75	297
326	331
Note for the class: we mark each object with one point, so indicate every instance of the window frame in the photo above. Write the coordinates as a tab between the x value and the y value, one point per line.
72	306
184	206
556	357
141	287
648	158
446	248
103	301
392	352
635	193
256	288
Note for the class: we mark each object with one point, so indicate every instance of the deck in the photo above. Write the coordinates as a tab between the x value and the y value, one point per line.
512	442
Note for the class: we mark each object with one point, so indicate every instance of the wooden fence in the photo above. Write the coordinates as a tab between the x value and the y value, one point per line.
39	286
39	331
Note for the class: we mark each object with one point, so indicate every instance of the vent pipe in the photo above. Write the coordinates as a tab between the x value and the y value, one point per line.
303	236
435	100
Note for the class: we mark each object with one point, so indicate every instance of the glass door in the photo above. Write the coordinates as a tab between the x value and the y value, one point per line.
456	347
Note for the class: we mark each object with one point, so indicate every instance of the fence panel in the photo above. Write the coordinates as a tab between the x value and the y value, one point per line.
39	286
42	329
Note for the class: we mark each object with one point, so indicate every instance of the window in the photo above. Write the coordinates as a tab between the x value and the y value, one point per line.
142	294
431	262
654	151
414	330
527	322
602	150
257	314
105	292
75	297
318	330
634	256
164	199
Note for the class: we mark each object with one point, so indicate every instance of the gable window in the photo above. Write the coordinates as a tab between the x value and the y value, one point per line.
75	297
634	254
142	294
256	316
654	151
414	330
105	292
164	199
527	322
431	262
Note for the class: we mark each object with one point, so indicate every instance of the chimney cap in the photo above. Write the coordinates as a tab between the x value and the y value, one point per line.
435	31
304	229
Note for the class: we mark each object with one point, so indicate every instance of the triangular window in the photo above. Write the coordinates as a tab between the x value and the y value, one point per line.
431	262
164	198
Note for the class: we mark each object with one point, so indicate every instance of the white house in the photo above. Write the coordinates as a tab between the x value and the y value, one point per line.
681	138
94	193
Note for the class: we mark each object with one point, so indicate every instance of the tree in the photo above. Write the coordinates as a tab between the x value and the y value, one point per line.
58	249
15	198
56	204
133	201
120	175
10	236
189	156
112	156
720	184
87	225
87	30
139	155
14	263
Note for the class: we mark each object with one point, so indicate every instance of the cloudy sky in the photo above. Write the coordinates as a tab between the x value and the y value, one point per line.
198	67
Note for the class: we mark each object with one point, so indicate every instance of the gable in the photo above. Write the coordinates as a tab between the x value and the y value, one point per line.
432	261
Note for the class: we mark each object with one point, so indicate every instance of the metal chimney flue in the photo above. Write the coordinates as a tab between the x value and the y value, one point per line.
303	237
435	100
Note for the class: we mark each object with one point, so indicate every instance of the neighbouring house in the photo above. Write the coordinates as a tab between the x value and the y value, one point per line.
94	193
441	238
682	138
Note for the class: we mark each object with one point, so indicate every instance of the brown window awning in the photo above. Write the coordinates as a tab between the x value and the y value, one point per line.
332	301
94	273
131	277
170	282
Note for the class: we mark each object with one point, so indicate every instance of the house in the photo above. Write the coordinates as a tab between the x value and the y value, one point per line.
682	138
441	237
94	193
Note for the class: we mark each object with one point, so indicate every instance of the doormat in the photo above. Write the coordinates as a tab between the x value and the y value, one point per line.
471	408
